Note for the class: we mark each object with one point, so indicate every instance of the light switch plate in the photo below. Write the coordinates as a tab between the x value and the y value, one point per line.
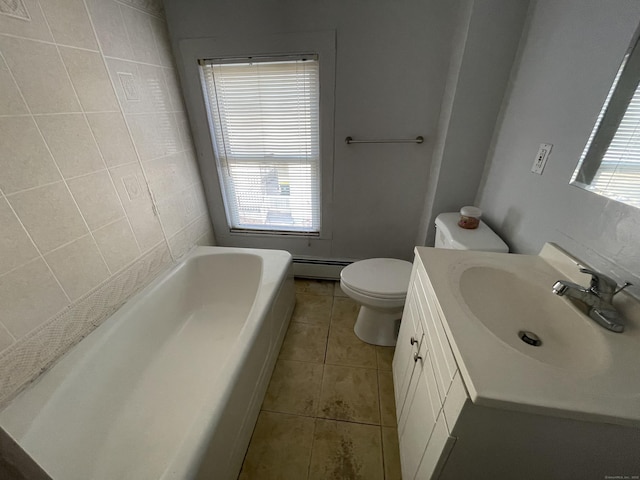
541	158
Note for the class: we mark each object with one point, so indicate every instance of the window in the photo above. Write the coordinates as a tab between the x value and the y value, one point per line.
610	162
264	122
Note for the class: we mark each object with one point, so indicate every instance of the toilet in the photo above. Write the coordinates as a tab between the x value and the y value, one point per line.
380	285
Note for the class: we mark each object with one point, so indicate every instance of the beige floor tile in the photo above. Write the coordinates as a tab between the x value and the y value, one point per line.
337	291
385	357
391	454
314	287
344	312
305	343
280	448
344	451
387	399
349	393
345	348
314	309
294	388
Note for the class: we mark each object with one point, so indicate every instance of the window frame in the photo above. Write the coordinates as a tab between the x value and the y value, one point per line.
323	44
222	162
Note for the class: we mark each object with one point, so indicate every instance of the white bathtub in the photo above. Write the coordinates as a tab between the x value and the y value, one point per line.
170	386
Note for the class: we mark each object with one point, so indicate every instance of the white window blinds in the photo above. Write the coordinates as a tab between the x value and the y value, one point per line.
265	127
619	171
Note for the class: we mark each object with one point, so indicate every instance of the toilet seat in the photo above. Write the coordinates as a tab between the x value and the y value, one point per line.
380	278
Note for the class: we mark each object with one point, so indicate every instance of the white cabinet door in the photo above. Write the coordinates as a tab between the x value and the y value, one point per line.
444	363
409	338
436	453
419	415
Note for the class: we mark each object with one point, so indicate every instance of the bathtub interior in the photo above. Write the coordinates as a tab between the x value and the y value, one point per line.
144	384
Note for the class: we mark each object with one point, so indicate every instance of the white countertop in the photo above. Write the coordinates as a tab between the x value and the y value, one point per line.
595	378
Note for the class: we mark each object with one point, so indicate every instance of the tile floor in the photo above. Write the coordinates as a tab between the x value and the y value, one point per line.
329	411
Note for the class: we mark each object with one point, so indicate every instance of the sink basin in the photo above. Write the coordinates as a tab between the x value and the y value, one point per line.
580	371
509	302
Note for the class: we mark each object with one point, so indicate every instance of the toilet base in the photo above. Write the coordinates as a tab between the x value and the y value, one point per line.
378	327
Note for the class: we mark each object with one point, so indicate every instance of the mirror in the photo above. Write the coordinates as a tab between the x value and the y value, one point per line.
610	162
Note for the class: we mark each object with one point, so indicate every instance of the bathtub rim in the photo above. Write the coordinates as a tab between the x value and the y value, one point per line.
275	268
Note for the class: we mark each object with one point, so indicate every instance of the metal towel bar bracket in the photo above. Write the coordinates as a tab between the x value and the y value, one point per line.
418	139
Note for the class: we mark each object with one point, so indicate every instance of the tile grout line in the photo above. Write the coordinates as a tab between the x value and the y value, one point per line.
9	203
77	98
126	122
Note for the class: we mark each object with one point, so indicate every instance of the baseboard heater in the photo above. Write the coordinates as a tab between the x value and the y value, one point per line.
319	268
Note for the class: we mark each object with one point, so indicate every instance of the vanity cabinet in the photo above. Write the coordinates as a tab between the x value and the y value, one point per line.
445	435
424	370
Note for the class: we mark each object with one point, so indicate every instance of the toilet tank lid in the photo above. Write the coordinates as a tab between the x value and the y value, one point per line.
378	276
481	238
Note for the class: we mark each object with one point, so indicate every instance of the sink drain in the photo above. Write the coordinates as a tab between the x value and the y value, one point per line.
530	338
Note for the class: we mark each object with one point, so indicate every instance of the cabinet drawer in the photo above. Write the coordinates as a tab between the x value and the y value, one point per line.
444	362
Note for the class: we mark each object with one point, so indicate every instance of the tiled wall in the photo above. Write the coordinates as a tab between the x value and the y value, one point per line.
98	176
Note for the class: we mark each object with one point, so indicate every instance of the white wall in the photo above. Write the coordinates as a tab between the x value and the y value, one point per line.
567	61
485	44
391	66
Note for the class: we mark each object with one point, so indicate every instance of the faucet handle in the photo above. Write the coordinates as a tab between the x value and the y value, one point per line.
600	283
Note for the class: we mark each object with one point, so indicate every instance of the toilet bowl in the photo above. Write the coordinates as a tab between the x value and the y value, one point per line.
379	285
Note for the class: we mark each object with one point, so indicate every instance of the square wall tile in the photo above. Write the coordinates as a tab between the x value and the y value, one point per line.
24	19
90	79
11	102
163	44
153	79
50	215
146	226
78	266
6	339
15	245
184	128
109	24
25	161
165	175
140	32
113	138
97	198
69	22
131	186
29	295
155	135
27	59
179	244
175	91
172	215
117	244
129	87
71	143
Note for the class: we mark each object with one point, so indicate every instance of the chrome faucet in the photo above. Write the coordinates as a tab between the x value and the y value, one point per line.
598	297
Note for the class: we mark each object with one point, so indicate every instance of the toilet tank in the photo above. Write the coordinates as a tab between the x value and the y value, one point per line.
450	235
